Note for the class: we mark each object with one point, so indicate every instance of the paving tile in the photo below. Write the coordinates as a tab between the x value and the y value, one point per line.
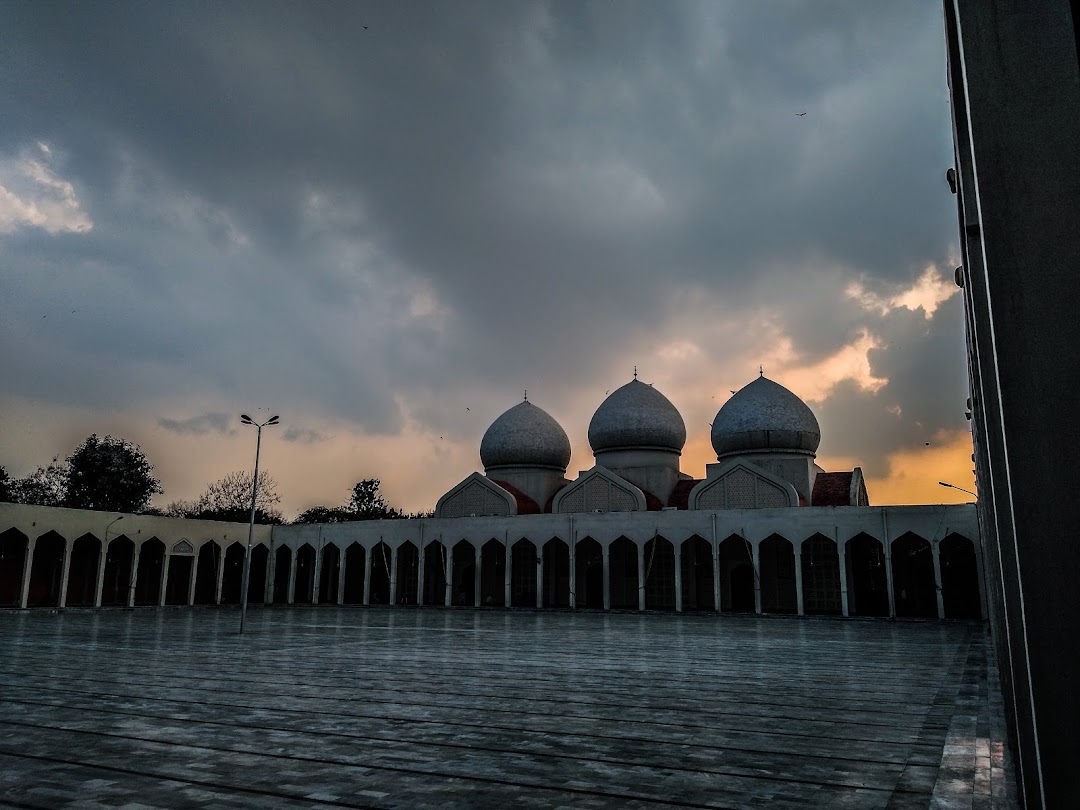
352	707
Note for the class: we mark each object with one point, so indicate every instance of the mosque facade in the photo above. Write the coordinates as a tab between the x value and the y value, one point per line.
765	531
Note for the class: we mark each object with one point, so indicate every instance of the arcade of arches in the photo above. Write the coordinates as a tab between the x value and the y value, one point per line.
914	577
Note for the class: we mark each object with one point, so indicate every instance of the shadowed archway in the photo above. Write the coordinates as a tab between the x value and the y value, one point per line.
777	560
463	592
659	574
178	578
408	573
493	574
82	571
148	579
206	568
868	583
304	576
46	571
623	562
589	574
556	561
232	577
329	569
381	562
435	574
260	559
13	545
282	575
697	575
353	592
821	577
119	572
523	574
914	584
959	578
736	576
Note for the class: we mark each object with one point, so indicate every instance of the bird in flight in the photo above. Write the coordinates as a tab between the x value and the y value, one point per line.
800	114
466	408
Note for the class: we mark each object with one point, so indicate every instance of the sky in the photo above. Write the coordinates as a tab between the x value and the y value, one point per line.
387	221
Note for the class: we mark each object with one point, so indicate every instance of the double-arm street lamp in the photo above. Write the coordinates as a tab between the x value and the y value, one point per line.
247	420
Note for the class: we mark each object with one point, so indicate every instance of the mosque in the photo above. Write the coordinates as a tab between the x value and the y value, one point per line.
765	531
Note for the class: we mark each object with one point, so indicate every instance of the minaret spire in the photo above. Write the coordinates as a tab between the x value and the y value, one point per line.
635	372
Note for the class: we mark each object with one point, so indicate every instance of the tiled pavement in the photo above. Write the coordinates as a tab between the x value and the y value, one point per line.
353	707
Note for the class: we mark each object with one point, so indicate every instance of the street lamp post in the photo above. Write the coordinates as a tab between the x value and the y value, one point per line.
954	486
247	420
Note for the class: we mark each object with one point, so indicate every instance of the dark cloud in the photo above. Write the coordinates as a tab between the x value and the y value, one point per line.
303	435
465	200
200	425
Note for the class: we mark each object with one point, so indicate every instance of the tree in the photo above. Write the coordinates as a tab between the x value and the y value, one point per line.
45	486
365	503
229	498
109	475
5	486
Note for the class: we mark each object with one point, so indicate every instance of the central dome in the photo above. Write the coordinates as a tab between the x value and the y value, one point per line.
637	416
525	436
765	416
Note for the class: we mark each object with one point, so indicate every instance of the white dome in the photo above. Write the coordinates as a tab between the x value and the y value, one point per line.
525	436
765	416
637	416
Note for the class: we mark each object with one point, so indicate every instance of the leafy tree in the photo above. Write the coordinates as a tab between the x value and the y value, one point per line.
109	475
365	503
45	486
229	498
5	486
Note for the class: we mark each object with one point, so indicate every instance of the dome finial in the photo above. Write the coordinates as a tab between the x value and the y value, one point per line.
635	372
761	371
526	394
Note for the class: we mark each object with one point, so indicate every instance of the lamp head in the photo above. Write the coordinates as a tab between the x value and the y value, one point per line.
246	419
273	420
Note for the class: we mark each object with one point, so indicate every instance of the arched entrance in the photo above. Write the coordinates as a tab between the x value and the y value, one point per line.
556	561
328	574
435	574
119	572
206	568
380	574
13	545
659	574
46	571
282	574
148	580
959	578
589	574
178	579
622	559
82	571
463	580
914	584
736	576
232	578
493	574
260	557
523	574
868	593
697	575
821	577
353	592
408	573
777	559
304	577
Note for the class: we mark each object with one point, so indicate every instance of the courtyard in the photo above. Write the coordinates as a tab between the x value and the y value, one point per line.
377	707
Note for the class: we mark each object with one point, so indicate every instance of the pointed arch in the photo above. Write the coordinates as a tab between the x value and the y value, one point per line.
282	575
659	574
623	577
868	593
959	578
589	574
475	496
493	574
353	592
381	563
304	575
408	573
148	577
697	575
739	484
599	490
556	554
82	571
463	576
232	577
329	568
13	547
260	560
776	561
738	580
523	564
821	576
914	583
119	576
435	562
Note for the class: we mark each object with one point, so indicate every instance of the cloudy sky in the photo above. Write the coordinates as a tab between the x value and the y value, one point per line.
386	221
